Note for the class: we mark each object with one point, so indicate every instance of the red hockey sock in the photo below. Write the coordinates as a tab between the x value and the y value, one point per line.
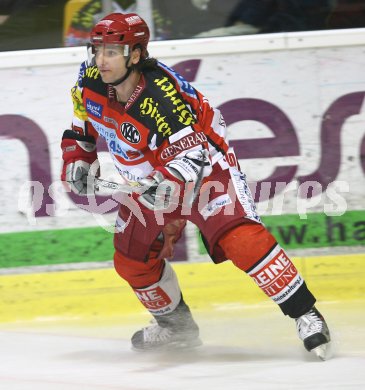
246	244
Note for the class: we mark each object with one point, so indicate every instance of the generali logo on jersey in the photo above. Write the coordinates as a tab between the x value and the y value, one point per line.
182	144
134	95
153	299
130	133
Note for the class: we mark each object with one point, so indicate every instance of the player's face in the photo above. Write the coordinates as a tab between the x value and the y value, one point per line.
110	61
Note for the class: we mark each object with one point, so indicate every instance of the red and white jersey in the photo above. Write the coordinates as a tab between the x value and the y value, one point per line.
163	119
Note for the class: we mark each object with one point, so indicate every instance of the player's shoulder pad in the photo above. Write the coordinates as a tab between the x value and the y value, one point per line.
181	83
89	76
166	97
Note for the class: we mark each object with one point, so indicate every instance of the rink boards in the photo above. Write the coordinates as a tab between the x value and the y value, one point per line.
100	293
294	108
295	116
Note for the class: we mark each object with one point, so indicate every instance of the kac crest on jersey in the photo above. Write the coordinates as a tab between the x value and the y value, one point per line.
130	133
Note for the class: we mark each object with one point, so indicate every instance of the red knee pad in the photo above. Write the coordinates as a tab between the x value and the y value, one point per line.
246	244
137	273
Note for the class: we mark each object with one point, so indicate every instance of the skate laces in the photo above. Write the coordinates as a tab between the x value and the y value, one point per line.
155	334
309	324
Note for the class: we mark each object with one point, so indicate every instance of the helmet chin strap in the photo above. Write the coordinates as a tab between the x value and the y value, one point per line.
129	71
119	81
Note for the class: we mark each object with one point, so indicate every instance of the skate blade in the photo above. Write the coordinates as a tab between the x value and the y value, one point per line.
173	346
323	352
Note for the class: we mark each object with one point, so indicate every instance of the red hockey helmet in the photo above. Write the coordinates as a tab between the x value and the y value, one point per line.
123	29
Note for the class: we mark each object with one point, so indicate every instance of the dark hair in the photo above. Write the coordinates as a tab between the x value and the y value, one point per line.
148	63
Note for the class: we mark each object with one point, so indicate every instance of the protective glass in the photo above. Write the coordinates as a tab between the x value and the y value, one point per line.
108	50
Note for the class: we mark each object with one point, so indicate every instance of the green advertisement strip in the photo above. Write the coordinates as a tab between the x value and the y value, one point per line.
95	244
317	231
55	247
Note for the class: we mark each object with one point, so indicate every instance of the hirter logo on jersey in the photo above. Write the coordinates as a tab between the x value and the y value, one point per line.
130	133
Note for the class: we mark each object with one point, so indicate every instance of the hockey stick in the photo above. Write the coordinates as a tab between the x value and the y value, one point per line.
106	187
101	185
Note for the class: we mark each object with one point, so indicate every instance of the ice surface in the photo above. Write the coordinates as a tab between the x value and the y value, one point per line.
253	347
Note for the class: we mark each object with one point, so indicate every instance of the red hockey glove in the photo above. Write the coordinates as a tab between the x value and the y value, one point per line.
79	156
161	189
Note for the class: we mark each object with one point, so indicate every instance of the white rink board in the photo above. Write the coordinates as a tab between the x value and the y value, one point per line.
301	75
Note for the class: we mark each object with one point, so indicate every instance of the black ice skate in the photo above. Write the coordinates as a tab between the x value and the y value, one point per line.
313	330
176	330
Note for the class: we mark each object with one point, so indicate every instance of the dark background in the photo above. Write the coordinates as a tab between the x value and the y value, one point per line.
36	24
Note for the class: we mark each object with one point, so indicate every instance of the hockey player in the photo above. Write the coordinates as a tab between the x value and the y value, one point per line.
160	129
